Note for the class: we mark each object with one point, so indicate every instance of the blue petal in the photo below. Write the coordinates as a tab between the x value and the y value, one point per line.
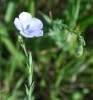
18	24
35	24
37	33
25	19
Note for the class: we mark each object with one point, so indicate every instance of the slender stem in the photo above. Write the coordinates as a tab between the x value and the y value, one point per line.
70	30
30	86
24	48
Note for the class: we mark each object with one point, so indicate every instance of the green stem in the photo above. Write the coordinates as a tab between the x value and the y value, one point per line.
24	48
70	30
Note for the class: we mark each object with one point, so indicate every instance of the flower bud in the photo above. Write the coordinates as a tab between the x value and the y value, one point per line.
79	50
20	39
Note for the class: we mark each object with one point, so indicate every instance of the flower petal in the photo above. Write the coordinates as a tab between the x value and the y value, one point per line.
25	18
32	34
18	24
35	24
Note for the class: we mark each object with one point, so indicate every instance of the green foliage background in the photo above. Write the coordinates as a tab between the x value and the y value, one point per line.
58	73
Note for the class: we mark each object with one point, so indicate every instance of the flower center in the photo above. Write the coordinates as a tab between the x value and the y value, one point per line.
25	32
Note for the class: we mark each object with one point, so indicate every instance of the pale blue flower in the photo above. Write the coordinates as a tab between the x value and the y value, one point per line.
28	26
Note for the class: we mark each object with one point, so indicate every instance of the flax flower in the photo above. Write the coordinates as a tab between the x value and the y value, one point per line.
29	27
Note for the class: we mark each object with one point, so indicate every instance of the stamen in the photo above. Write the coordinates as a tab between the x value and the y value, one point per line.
28	26
26	30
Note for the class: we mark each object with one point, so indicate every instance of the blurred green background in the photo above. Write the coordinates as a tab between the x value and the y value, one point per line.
58	73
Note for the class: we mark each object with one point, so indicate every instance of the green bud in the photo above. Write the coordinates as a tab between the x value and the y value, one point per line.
20	39
79	50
